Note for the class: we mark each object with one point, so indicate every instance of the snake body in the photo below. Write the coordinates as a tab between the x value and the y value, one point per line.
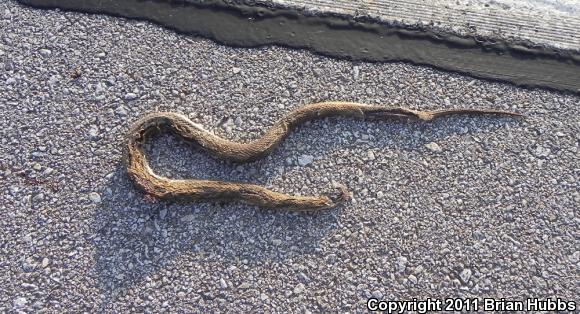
170	189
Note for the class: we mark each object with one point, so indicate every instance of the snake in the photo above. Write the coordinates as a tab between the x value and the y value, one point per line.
162	188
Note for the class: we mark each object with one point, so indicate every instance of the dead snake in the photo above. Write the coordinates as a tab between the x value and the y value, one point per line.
160	187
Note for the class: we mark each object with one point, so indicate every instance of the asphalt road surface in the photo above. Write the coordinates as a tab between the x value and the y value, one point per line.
462	207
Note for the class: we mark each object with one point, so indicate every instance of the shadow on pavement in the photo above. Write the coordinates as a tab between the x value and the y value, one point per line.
135	237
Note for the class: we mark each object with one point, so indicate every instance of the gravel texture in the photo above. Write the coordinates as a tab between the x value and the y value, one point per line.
470	207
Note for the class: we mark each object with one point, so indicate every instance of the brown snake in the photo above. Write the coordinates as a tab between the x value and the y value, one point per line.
192	189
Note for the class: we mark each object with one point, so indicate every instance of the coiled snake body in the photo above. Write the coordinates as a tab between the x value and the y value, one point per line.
165	188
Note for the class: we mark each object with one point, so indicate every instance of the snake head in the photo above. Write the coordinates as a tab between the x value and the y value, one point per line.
339	195
315	203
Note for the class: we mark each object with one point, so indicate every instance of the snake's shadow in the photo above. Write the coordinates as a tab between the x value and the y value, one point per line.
135	237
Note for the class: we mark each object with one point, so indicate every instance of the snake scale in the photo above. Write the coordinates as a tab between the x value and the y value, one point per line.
159	187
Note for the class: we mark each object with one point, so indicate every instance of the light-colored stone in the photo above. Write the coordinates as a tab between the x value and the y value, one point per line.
187	218
20	302
299	288
45	52
305	160
434	147
465	275
130	96
95	197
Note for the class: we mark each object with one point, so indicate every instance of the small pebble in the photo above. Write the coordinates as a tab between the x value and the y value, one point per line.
541	151
93	132
95	197
299	288
45	52
305	160
20	302
401	264
121	111
187	218
465	275
130	96
38	198
434	147
29	286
